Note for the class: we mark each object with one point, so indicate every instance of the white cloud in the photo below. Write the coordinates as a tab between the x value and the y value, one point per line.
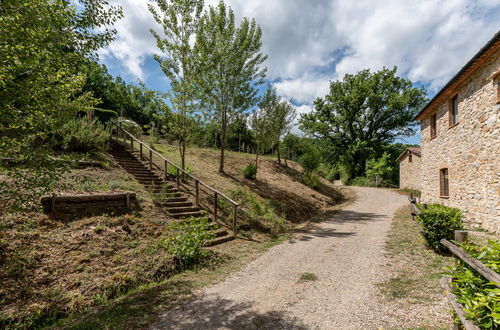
303	89
312	42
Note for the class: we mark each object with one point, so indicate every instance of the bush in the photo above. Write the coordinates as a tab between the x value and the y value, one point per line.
438	222
82	135
187	239
258	212
132	127
480	298
250	171
361	181
310	159
311	179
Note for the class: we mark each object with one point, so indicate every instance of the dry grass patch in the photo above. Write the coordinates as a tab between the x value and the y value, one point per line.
412	292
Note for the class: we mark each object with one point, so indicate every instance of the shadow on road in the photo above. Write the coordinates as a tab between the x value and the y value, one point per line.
337	217
212	312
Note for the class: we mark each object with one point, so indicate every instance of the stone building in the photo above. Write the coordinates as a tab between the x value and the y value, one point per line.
460	141
410	168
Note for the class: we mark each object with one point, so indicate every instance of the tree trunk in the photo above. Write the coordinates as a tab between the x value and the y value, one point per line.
278	149
256	157
223	141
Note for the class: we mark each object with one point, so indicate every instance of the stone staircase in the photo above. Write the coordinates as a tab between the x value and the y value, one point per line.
176	203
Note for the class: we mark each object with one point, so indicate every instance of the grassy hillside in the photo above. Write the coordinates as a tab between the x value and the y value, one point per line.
280	184
52	268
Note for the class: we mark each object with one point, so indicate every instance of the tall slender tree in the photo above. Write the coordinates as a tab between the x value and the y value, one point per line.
180	20
281	115
230	61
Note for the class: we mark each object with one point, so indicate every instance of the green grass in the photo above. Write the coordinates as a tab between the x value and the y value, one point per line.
306	277
142	306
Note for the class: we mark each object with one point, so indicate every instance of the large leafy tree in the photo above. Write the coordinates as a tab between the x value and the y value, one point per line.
42	45
362	112
179	20
230	61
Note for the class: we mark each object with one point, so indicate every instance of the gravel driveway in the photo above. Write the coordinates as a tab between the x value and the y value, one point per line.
345	254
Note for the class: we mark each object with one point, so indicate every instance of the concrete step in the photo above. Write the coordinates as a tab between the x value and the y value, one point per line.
220	240
177	204
186	215
177	199
183	209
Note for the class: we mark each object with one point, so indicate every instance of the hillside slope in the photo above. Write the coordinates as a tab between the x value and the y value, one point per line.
279	183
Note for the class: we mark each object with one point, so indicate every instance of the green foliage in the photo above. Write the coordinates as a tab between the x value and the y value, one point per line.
258	212
131	127
43	43
310	158
187	239
378	170
250	171
438	222
311	179
83	135
361	181
480	298
179	20
362	112
229	59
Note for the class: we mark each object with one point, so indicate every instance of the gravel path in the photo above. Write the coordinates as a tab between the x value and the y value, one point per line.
345	253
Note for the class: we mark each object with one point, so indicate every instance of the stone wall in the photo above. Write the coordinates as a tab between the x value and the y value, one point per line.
410	172
470	150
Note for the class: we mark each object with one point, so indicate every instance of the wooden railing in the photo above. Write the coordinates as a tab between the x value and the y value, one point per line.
487	273
208	198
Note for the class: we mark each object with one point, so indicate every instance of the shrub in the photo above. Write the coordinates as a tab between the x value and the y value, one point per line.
82	135
438	222
379	170
480	298
311	179
333	174
361	181
187	239
250	171
258	212
310	159
132	127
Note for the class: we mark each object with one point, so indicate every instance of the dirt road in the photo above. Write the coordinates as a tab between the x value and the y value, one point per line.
339	261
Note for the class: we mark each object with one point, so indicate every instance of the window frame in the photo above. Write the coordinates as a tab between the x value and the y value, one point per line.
444	182
433	125
453	104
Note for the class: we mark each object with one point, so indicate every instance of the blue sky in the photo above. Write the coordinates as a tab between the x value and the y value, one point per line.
312	42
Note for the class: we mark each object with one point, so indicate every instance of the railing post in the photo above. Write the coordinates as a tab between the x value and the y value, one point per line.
216	198
197	184
165	172
178	178
131	143
150	159
235	217
140	151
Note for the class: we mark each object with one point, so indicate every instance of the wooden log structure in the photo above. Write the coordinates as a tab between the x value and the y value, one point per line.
475	264
88	204
89	163
457	307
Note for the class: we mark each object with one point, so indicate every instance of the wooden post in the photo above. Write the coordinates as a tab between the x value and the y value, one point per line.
165	172
131	144
235	217
197	185
150	159
178	178
216	198
461	236
140	151
53	206
128	200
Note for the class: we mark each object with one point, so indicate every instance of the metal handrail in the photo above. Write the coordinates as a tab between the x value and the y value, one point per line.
179	170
